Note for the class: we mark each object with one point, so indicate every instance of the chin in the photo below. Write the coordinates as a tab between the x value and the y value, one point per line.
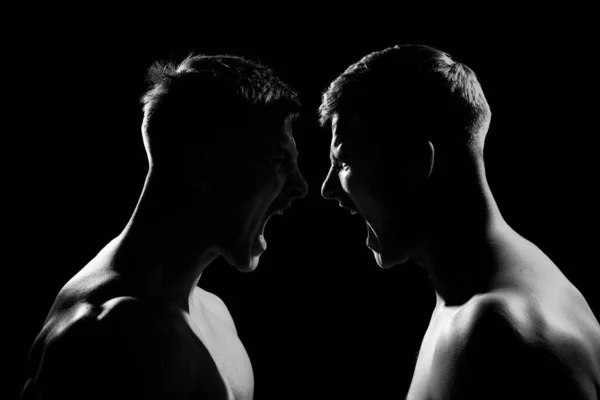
388	257
386	262
244	255
245	252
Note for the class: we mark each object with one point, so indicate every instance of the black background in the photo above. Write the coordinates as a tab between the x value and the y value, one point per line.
318	317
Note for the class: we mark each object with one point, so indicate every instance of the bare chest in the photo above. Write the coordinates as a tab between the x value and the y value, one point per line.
429	373
227	352
421	384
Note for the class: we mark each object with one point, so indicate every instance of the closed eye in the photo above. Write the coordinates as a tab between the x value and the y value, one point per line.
339	165
339	161
284	163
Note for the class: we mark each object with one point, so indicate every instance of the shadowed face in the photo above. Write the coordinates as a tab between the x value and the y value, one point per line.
373	183
251	180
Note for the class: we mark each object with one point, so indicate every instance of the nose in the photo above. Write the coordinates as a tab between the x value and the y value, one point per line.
328	188
298	187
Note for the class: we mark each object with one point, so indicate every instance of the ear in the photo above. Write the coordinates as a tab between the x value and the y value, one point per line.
422	160
430	158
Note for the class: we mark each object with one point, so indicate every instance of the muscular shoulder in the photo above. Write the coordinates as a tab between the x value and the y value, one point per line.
123	349
503	347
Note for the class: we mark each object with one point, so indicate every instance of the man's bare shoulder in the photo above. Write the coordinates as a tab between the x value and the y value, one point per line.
124	348
505	345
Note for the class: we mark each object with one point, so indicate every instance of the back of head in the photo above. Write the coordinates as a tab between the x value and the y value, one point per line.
411	91
206	100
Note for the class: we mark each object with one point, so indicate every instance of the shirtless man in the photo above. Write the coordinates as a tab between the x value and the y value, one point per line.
408	126
132	324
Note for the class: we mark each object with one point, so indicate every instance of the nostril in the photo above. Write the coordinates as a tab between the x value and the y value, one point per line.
326	189
299	189
327	195
326	192
304	191
298	193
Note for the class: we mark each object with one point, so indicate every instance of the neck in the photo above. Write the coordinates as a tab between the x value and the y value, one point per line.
160	248
458	243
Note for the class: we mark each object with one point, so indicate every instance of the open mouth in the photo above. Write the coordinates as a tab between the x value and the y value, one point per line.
260	244
372	241
276	209
349	207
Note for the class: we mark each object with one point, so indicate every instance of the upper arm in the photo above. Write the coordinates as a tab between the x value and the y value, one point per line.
129	353
496	361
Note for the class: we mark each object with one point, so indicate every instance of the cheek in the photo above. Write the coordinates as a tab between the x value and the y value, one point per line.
250	182
373	192
363	191
347	181
262	190
373	184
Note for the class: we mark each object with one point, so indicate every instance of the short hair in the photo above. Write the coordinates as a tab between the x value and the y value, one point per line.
209	98
430	92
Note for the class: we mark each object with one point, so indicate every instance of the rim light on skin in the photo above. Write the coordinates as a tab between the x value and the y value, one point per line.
346	194
278	205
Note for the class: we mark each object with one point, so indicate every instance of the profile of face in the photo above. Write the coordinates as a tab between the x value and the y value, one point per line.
376	184
251	180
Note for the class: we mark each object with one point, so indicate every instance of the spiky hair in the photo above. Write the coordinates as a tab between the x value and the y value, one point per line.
205	96
411	85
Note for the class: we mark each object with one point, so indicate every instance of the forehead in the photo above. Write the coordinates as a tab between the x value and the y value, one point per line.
346	130
273	136
284	137
351	133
